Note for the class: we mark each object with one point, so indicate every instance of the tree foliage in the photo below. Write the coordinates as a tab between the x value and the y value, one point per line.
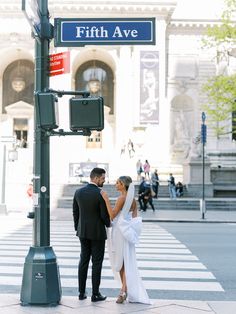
223	36
221	89
221	95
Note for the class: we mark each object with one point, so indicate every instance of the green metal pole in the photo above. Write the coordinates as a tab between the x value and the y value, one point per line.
41	151
41	280
203	181
203	203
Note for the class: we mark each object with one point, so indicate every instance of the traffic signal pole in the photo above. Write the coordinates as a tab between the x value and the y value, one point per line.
203	182
203	140
41	152
41	280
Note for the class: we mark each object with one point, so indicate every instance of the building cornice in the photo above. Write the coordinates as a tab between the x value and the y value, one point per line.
92	8
193	23
190	26
113	8
162	9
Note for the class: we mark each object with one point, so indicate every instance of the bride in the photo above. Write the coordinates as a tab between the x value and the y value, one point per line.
126	229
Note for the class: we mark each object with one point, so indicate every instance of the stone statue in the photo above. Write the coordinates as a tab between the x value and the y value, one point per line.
196	147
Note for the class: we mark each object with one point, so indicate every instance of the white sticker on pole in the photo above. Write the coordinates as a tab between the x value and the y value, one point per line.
35	199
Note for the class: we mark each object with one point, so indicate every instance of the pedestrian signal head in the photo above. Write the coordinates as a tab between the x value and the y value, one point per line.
86	113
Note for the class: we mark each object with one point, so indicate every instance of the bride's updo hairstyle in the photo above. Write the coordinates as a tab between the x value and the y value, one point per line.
126	180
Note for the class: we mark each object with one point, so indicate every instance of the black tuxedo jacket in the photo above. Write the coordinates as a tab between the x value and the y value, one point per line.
90	213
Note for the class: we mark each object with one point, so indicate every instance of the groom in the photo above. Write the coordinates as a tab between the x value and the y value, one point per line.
90	218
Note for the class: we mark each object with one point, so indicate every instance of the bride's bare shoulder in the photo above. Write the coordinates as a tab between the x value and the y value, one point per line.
121	198
120	201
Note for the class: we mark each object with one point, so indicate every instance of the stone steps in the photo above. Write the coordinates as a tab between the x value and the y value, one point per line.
163	202
69	190
168	204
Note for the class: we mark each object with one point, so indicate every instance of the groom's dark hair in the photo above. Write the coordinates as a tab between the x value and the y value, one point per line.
97	172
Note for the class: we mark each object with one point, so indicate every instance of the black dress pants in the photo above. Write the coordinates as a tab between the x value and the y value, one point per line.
91	249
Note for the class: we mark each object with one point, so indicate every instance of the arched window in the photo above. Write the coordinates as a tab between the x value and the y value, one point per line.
21	131
18	83
97	77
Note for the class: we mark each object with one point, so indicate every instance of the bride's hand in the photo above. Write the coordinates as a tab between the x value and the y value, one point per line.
104	195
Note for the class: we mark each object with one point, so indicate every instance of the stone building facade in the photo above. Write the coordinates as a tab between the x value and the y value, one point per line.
152	96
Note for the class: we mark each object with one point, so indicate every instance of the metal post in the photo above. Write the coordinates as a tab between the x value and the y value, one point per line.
203	137
203	206
41	153
41	280
3	207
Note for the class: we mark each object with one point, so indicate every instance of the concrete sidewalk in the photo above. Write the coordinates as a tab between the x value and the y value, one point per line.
211	216
10	304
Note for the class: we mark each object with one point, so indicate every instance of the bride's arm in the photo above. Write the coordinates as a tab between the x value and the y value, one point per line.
113	212
134	209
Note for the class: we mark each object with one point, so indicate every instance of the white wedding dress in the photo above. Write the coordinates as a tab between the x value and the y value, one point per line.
122	238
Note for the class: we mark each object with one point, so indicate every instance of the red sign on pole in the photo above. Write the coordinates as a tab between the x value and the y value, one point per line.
59	63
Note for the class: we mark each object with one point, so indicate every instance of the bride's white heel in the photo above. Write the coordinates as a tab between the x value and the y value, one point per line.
121	297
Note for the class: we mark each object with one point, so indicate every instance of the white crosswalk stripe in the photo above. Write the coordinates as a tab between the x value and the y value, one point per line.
164	262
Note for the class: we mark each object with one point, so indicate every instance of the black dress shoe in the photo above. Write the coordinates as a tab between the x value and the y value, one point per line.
98	297
82	296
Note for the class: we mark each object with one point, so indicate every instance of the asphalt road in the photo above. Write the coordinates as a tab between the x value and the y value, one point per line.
215	246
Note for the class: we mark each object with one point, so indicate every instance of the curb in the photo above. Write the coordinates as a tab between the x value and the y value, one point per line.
188	221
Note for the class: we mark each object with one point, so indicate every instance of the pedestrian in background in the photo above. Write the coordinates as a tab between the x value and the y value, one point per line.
147	197
141	190
155	183
146	168
30	190
179	189
139	169
171	185
29	193
130	147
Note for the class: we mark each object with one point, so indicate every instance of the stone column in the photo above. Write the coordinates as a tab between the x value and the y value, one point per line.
193	177
124	91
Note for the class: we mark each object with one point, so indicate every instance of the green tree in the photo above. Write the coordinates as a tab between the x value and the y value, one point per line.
222	37
221	95
221	89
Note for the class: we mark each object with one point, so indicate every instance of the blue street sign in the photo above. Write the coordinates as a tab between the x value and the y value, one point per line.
203	133
71	32
31	11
